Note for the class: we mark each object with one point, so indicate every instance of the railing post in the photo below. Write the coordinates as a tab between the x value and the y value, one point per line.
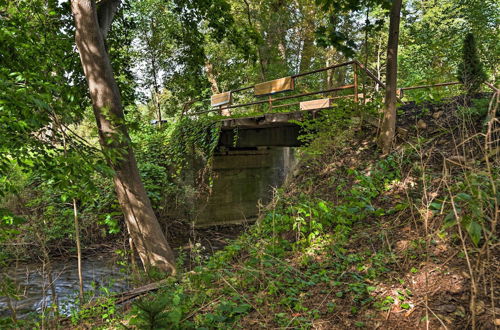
355	67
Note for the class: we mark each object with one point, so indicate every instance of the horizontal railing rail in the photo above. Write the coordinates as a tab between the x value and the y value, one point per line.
229	95
223	102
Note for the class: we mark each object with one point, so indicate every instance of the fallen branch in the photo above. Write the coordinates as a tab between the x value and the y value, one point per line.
140	291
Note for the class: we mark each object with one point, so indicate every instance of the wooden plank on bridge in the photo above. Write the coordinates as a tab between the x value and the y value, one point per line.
316	104
221	99
274	86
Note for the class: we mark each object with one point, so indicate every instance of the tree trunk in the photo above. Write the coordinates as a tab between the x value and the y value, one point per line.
145	230
78	252
388	127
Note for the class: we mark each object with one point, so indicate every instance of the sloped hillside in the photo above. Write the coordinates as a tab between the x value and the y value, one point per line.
356	239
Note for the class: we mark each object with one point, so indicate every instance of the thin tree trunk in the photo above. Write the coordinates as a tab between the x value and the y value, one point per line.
259	51
367	22
48	265
145	230
156	96
156	87
152	54
209	68
78	250
306	54
379	45
388	127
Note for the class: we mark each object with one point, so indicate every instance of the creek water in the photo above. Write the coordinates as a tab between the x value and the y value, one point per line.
101	275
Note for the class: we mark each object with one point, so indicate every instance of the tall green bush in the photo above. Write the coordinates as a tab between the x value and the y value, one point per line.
470	71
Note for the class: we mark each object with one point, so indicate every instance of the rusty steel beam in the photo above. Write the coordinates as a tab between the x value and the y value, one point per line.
202	112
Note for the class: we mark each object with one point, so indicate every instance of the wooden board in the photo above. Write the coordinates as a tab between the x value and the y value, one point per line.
274	86
316	104
221	99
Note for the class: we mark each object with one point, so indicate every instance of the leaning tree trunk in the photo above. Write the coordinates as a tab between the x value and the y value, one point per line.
144	228
388	128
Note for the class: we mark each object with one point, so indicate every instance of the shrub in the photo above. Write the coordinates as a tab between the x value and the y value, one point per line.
470	71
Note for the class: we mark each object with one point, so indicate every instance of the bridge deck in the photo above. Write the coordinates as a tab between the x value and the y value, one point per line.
266	130
268	120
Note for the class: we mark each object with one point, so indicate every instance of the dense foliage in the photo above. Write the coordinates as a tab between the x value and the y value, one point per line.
168	58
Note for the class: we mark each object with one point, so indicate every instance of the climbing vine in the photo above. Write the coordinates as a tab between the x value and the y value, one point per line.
175	162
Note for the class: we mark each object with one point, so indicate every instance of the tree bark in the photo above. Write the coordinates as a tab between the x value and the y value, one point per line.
145	230
388	127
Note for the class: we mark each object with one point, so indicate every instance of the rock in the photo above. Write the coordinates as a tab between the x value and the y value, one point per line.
446	308
402	132
449	308
437	115
421	124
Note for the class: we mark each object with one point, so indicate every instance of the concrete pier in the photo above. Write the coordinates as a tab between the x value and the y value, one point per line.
243	179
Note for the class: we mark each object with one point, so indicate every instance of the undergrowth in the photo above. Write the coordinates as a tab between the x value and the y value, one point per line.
254	273
327	250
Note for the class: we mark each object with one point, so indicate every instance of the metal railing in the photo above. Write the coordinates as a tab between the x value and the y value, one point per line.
273	102
225	100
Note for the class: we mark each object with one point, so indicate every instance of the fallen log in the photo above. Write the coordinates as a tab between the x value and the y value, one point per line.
137	292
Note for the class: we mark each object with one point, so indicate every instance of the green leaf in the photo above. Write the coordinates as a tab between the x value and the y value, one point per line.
436	206
243	308
449	220
323	207
463	197
475	231
64	198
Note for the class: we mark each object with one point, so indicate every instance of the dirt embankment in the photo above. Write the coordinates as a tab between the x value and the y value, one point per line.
437	274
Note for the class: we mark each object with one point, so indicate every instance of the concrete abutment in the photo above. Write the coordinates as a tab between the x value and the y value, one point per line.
243	180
